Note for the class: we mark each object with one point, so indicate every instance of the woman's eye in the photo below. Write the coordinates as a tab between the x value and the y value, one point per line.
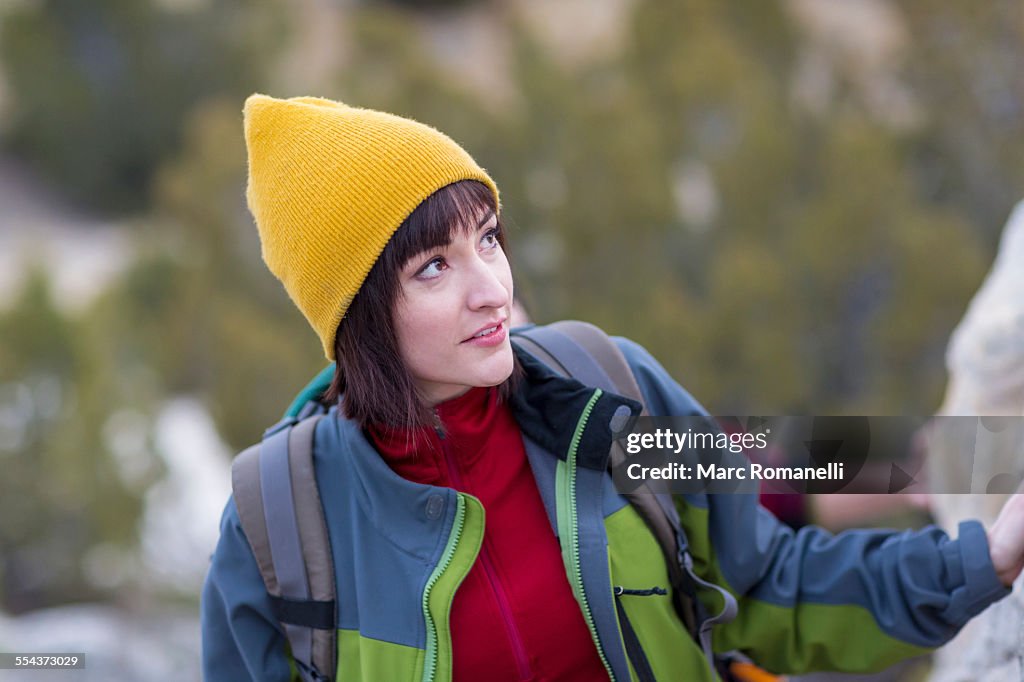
433	268
490	238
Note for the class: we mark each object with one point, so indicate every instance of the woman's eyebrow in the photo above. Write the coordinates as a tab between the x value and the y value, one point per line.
488	217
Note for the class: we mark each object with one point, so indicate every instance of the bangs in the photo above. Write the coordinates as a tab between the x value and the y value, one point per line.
456	207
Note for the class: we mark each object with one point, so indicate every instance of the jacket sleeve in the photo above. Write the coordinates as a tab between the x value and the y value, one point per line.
241	638
809	600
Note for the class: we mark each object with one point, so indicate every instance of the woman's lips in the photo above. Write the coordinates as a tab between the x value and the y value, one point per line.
490	339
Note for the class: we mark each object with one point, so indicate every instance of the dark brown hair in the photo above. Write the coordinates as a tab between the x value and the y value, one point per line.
373	383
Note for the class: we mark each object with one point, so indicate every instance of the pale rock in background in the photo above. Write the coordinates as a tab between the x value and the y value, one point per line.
986	377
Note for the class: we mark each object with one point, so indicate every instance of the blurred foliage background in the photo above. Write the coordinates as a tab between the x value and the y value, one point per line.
789	204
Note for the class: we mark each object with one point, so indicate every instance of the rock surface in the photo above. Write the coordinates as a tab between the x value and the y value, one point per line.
986	377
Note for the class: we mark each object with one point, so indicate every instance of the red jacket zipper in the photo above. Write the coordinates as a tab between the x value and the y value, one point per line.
522	662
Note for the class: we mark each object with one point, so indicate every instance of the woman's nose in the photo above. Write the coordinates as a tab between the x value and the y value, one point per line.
488	288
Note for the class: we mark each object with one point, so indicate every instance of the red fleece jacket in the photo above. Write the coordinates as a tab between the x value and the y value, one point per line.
514	617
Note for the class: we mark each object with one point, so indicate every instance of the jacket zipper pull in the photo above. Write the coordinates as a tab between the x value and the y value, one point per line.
619	590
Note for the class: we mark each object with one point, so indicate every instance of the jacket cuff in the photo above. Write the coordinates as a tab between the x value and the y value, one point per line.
971	574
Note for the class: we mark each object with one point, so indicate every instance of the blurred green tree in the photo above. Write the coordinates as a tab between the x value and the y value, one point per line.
61	493
99	89
966	68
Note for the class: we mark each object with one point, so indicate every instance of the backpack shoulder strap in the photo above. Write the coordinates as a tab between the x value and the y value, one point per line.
278	502
586	353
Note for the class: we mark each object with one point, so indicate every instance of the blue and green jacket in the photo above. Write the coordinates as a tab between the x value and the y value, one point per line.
808	600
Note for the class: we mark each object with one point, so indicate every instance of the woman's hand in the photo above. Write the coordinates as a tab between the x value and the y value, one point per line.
1006	540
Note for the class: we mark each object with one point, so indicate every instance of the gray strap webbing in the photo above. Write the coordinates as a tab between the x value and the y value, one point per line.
279	514
245	486
585	352
592	357
576	348
283	532
525	341
600	347
279	506
559	340
728	612
316	545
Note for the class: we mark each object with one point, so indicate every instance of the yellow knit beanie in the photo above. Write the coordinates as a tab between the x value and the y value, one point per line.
328	186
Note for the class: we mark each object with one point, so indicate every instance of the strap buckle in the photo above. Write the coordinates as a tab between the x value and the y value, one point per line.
310	674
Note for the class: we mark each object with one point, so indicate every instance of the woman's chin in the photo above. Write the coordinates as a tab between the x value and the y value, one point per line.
497	371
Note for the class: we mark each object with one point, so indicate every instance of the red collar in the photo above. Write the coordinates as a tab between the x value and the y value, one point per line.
420	455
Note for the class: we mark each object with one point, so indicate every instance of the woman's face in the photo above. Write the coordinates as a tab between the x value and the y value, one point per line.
452	314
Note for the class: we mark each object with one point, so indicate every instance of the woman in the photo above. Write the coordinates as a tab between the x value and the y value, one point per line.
388	237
